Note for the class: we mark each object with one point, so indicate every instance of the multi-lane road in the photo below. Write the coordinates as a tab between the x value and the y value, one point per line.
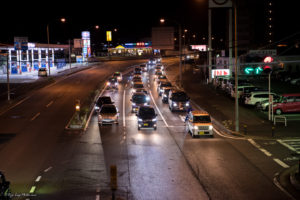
38	155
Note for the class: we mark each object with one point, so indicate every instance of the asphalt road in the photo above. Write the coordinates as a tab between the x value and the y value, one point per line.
162	164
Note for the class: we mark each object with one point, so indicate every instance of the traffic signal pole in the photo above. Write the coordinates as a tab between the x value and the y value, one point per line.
237	126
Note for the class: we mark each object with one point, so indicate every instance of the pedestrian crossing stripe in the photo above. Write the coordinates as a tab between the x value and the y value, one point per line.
292	144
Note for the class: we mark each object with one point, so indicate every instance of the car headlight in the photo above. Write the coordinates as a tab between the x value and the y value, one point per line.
210	127
195	127
165	95
187	104
140	120
174	104
116	83
134	90
97	107
119	78
133	104
145	104
108	83
154	120
148	98
161	90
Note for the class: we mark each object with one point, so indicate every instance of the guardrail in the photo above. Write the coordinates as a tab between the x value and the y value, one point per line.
280	119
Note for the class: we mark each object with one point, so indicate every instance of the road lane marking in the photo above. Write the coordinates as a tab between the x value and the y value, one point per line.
97	197
279	162
49	104
258	147
38	179
158	110
124	123
35	116
290	144
32	189
48	169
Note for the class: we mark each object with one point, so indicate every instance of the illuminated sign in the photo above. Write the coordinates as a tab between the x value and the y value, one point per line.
108	36
199	47
220	72
86	49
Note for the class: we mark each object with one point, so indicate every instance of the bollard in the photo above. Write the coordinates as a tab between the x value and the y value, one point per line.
273	131
245	129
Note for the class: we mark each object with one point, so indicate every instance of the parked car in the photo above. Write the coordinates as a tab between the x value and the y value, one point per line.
256	97
241	90
289	103
42	72
101	101
264	105
295	81
199	123
146	117
108	114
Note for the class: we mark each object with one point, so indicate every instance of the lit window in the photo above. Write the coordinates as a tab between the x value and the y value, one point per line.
270	33
270	19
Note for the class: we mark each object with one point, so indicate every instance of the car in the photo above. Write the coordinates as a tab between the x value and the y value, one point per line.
256	97
101	101
289	103
139	99
295	81
199	123
152	61
240	90
118	75
159	67
137	73
42	72
112	83
264	105
162	86
108	114
137	85
143	67
4	188
165	94
147	118
136	79
178	100
161	78
157	74
142	90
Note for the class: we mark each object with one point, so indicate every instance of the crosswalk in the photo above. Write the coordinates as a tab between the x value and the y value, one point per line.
292	144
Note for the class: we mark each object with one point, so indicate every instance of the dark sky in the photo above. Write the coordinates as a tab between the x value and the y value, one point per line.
132	18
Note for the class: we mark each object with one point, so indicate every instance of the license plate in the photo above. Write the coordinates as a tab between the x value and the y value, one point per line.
145	124
201	133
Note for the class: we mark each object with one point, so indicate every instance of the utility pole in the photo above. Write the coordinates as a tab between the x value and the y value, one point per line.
209	46
70	63
7	72
236	72
180	56
48	38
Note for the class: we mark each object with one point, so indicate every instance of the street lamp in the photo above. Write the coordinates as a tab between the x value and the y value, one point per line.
63	20
180	49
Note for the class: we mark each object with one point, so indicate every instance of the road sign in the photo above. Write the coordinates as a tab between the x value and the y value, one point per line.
220	72
272	52
108	36
21	43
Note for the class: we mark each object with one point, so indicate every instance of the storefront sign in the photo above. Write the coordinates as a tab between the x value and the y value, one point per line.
220	72
108	36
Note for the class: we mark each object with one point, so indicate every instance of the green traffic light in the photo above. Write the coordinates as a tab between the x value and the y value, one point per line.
248	70
258	70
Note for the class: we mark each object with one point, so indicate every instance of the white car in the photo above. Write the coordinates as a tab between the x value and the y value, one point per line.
256	97
199	123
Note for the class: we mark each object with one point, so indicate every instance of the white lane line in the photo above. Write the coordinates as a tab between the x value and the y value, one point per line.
286	145
124	121
49	104
48	169
32	189
35	116
158	110
97	197
38	179
258	147
279	162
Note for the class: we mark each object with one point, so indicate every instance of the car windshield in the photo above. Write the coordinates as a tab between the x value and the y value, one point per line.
165	84
138	86
108	109
179	96
105	100
112	80
146	112
117	74
139	98
201	119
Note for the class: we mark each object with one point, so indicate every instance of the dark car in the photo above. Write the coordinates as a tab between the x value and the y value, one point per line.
139	99
146	117
165	94
162	86
4	188
178	100
112	83
101	101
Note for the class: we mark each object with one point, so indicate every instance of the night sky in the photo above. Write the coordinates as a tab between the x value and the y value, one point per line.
132	18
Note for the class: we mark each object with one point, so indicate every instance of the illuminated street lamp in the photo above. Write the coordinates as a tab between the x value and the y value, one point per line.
162	20
97	27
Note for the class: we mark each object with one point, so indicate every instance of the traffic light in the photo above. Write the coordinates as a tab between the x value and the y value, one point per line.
256	70
267	68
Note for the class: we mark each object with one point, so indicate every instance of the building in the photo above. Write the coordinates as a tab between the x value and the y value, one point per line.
37	56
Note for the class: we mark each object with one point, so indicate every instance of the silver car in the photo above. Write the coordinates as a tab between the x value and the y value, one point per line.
108	114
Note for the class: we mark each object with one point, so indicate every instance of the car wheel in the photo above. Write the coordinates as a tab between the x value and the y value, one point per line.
278	111
256	104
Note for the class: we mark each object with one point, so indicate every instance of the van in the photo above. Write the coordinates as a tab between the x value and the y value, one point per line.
241	90
289	103
256	97
199	123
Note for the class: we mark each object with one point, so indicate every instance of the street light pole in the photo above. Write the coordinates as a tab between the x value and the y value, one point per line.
180	56
236	72
48	38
